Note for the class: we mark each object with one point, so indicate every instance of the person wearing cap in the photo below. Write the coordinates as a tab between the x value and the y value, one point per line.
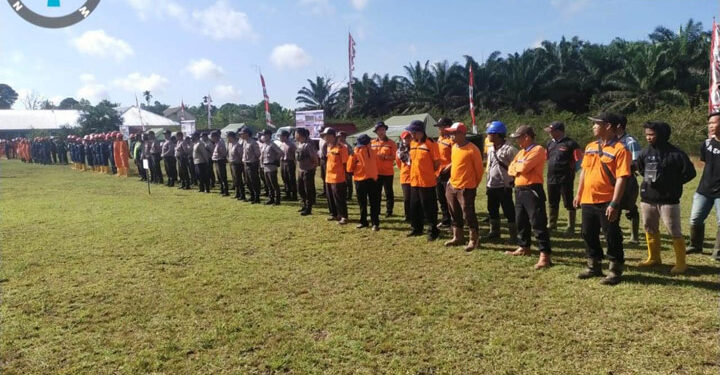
465	176
219	160
445	144
402	160
563	157
201	160
362	165
251	162
167	153
335	177
665	169
270	155
183	147
121	155
707	194
342	140
527	167
499	185
424	162
235	152
632	189
287	165
605	171
386	150
155	150
307	160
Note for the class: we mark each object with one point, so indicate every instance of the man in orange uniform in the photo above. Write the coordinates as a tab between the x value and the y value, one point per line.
363	166
605	171
335	180
385	149
424	162
121	154
445	144
402	159
465	176
530	213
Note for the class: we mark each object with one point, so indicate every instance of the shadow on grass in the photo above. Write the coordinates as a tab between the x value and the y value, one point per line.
645	279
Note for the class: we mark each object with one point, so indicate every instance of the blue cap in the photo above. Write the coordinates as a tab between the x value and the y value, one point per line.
363	140
416	126
496	127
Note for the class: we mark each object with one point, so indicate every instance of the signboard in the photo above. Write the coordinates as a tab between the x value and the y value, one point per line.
146	164
187	127
313	121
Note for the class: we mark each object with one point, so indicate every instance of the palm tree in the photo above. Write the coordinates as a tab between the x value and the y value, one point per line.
417	83
645	82
147	96
319	94
524	76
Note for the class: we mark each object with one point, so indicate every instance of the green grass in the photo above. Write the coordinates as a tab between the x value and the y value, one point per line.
98	277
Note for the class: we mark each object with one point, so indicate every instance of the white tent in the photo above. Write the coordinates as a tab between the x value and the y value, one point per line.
134	116
38	119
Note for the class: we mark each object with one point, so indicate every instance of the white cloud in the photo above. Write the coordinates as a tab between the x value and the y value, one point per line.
97	43
226	93
136	82
569	8
359	4
145	9
289	56
220	21
91	90
318	7
204	68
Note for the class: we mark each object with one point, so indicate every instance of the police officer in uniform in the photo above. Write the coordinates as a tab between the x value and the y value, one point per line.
563	154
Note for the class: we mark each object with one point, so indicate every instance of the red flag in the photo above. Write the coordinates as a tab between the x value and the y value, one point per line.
268	119
470	96
714	95
351	63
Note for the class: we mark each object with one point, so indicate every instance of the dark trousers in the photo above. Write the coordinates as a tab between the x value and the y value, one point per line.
252	179
442	182
237	171
263	181
386	183
203	172
306	187
531	214
500	197
211	173
287	171
221	172
170	169
193	172
54	157
113	167
349	185
594	220
406	200
63	157
564	190
337	199
368	192
461	203
271	181
323	169
155	169
423	206
183	170
141	171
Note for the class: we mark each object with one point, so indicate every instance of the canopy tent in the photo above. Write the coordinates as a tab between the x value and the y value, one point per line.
25	120
396	125
133	116
230	128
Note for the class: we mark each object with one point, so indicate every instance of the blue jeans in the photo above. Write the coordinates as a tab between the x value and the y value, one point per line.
701	208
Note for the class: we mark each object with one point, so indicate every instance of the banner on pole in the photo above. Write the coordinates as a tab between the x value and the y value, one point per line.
471	86
268	119
351	69
714	92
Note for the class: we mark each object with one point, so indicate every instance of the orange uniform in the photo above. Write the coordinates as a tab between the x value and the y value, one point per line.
337	157
404	171
423	156
120	153
363	164
597	185
528	166
445	145
467	167
385	155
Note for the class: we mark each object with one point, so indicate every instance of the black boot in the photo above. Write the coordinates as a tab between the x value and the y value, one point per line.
614	277
697	236
308	211
594	269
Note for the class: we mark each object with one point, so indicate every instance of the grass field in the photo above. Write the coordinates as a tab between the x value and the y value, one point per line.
98	277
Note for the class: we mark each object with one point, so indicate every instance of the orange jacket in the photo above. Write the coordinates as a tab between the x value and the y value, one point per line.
386	155
528	166
363	164
121	153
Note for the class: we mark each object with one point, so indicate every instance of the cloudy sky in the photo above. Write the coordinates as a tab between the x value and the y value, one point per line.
183	49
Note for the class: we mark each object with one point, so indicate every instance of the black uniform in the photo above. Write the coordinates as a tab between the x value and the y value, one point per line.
561	161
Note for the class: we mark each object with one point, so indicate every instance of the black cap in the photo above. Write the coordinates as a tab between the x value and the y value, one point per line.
245	130
363	140
267	132
167	131
284	133
416	126
379	125
556	125
607	117
303	132
215	133
444	122
231	134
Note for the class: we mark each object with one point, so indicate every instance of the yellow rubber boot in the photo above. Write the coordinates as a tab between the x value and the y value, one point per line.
680	265
653	246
